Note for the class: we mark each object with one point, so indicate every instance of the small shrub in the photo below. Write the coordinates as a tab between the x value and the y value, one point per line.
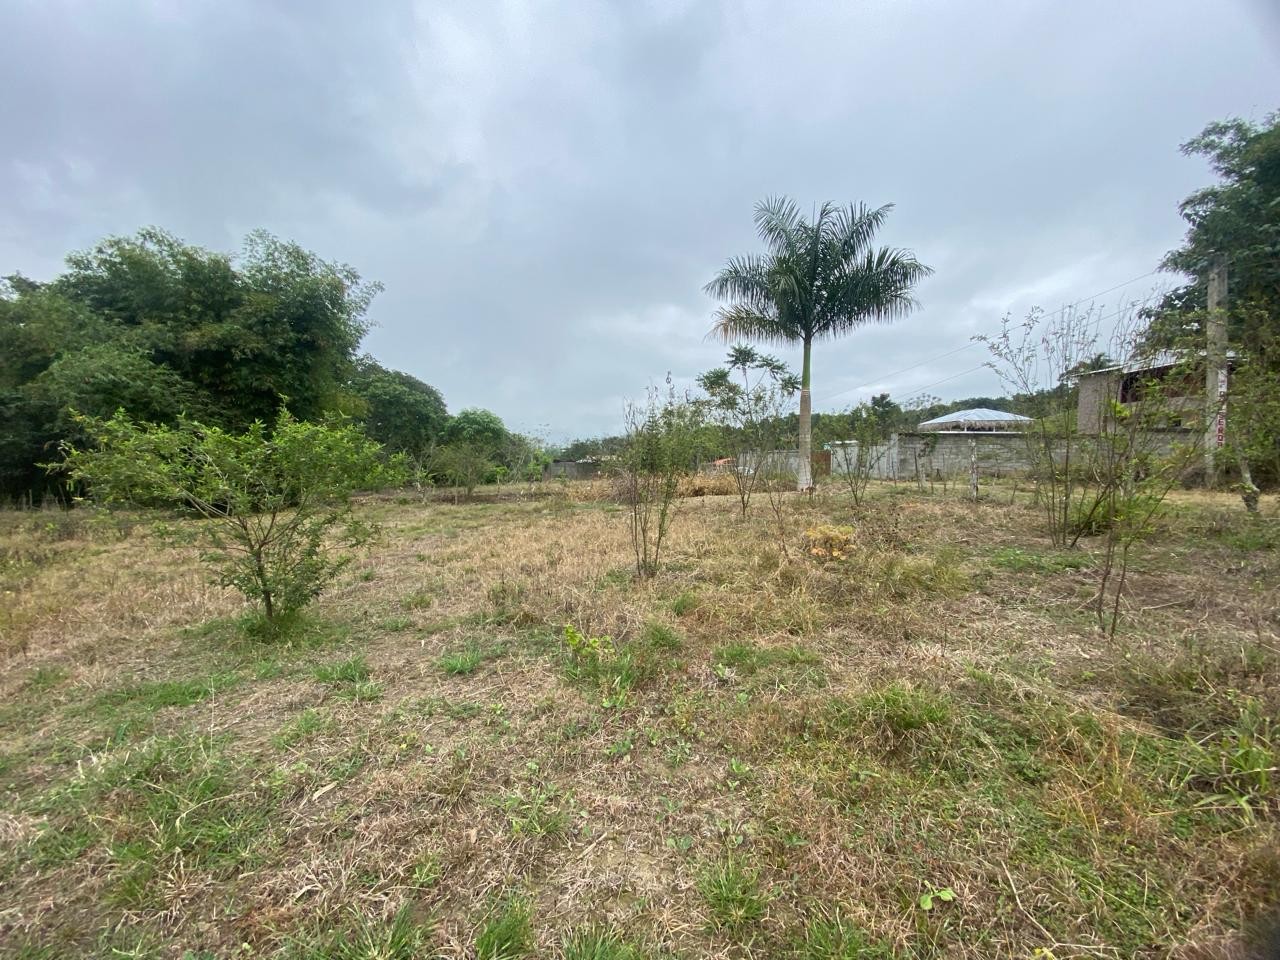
507	935
272	498
732	894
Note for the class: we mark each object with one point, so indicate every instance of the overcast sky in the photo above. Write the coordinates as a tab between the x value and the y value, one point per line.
544	188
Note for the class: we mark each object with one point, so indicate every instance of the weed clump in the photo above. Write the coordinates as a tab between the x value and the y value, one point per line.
613	669
733	896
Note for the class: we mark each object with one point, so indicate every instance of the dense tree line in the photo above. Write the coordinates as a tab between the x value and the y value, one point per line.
162	329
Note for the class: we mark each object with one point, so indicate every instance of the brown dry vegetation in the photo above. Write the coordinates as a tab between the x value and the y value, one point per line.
777	754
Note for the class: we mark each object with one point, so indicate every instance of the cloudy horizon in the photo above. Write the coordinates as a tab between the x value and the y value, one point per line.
544	189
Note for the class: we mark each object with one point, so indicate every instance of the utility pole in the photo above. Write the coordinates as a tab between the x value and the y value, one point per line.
1215	370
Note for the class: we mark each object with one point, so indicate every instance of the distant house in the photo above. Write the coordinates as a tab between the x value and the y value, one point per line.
1182	394
977	420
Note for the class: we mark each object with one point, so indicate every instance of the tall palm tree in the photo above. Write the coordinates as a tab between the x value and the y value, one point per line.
818	279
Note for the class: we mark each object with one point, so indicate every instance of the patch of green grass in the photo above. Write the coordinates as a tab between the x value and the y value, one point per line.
660	636
466	661
901	709
44	679
599	943
685	604
419	600
1027	561
365	938
171	803
298	629
461	663
733	896
747	658
345	672
614	669
54	846
837	938
156	695
507	934
304	726
426	872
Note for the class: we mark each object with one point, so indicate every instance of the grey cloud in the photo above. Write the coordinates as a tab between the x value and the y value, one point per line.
544	188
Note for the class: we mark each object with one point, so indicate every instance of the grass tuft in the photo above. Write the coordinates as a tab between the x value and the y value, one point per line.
507	935
733	896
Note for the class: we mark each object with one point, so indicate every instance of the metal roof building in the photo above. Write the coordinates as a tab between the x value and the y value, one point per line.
977	419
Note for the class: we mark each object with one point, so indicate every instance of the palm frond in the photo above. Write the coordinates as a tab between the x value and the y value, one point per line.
777	220
856	225
741	278
738	321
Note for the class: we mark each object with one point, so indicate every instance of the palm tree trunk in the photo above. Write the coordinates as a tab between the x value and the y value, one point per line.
804	479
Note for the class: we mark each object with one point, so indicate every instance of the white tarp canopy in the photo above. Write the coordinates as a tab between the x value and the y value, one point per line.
979	418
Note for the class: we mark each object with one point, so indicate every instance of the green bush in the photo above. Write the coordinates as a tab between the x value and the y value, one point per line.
272	499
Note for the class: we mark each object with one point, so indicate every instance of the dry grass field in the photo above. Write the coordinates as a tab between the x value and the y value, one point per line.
913	744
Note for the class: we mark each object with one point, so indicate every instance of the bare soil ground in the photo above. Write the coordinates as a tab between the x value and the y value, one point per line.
904	739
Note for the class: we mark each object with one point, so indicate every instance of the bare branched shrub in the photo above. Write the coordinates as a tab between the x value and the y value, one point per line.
662	442
749	416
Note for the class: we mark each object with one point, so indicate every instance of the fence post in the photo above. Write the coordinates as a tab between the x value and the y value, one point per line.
973	468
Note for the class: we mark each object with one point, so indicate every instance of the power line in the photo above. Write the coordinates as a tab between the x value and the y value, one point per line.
1103	293
975	342
968	346
954	376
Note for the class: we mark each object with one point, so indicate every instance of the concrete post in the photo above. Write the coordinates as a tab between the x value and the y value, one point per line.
1215	366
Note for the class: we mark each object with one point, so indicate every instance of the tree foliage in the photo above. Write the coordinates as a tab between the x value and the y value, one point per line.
1235	222
398	410
271	498
159	328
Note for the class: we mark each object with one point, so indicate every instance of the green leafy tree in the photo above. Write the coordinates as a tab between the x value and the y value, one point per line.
160	327
819	279
272	499
1234	222
462	466
275	322
479	428
398	410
